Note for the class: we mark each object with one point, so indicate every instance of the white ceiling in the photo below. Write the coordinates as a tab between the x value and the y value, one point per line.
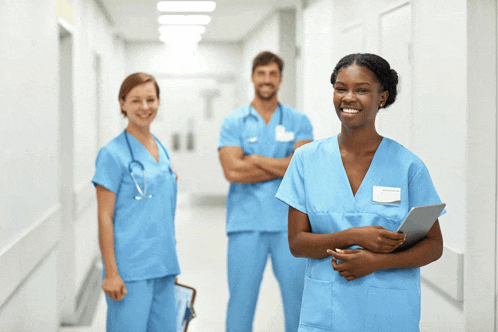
136	20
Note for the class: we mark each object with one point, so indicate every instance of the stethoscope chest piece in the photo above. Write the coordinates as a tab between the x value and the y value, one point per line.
143	194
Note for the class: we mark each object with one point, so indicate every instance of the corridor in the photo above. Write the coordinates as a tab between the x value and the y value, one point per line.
61	66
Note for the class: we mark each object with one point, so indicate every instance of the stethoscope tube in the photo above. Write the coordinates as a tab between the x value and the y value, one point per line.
244	119
143	194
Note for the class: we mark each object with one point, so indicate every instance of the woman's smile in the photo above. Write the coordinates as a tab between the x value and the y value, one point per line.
350	110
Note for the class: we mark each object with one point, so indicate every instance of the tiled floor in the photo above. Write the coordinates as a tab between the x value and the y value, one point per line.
201	244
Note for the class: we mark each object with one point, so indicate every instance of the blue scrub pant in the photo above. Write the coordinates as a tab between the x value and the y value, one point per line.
149	306
247	256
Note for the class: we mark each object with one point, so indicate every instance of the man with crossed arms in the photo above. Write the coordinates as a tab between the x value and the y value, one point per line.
255	147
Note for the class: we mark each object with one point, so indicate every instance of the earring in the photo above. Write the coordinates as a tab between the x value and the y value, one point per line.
381	104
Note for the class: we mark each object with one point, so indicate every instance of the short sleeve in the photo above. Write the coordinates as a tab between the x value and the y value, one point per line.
422	191
292	190
229	133
305	130
108	172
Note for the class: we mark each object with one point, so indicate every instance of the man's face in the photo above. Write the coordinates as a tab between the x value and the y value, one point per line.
266	80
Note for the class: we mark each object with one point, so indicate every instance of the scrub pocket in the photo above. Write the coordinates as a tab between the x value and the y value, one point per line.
316	308
389	310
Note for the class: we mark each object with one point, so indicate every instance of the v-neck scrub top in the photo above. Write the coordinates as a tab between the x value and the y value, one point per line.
253	206
316	183
144	230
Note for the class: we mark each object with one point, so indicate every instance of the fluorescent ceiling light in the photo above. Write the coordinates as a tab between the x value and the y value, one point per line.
186	6
184	19
182	29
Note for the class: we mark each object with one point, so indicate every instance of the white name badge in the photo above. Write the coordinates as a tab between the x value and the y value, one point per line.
386	195
283	136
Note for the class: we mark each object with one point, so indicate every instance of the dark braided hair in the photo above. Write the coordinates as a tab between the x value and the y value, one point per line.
387	77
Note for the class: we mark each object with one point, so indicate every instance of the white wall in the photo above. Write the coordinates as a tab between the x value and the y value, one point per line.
264	38
188	83
33	307
317	65
426	43
29	115
481	167
39	242
275	33
29	163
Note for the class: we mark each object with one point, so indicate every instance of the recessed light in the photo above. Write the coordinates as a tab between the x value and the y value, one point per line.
186	6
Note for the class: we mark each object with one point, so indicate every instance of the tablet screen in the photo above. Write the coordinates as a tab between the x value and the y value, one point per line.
418	222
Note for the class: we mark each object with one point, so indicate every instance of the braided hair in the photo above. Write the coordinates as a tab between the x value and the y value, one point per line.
386	76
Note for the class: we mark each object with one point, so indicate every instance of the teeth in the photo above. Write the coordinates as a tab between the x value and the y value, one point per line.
350	111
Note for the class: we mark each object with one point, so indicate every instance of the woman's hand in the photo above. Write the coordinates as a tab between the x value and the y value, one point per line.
114	287
356	263
379	239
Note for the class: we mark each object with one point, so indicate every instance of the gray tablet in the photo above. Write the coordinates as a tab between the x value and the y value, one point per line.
418	222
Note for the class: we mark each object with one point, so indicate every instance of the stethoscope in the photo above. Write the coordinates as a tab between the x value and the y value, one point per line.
143	194
280	127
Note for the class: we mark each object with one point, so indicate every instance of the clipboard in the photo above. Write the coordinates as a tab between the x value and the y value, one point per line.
418	222
184	303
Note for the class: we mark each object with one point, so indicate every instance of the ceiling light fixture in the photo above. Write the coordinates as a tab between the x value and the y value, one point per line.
184	19
186	6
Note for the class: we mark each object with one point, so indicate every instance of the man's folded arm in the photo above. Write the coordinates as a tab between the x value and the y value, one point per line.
240	168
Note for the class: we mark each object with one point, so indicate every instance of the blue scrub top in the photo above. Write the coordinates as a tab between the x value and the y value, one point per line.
253	206
144	230
316	183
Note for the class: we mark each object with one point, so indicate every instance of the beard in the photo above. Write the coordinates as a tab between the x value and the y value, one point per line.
267	97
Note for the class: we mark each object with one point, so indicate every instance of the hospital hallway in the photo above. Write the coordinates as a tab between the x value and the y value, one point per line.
62	63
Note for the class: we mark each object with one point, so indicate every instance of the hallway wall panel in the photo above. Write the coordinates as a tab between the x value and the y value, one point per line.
31	214
29	115
30	210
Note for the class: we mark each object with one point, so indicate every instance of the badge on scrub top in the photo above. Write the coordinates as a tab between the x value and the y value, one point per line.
386	195
283	136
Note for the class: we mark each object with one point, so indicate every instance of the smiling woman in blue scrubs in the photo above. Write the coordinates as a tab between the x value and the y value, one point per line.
136	195
355	281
